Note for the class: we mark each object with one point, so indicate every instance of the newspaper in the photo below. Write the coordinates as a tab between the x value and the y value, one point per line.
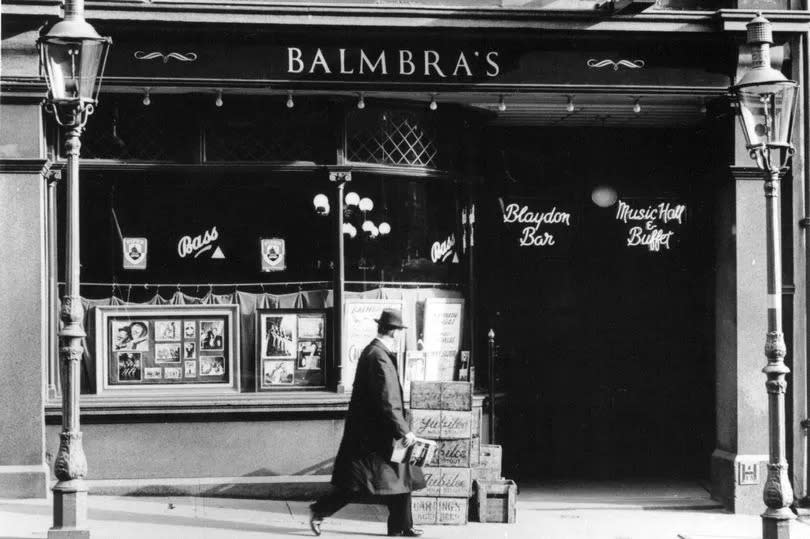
418	454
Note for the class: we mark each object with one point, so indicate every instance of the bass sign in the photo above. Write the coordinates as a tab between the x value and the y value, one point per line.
198	244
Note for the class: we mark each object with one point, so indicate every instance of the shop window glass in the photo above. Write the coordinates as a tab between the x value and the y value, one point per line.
264	129
122	128
206	228
423	243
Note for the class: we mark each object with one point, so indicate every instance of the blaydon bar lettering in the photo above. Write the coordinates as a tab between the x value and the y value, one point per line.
398	63
532	236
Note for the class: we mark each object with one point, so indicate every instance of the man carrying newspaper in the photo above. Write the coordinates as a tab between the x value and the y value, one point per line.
376	418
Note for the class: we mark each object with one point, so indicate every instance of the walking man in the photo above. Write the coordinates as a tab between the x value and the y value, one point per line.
375	419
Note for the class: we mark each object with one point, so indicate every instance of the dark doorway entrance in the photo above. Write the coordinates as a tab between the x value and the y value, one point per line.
605	330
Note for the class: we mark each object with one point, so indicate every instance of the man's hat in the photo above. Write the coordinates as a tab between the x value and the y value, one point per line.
391	318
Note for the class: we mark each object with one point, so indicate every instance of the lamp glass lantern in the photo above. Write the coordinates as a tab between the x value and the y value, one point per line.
766	115
767	102
73	56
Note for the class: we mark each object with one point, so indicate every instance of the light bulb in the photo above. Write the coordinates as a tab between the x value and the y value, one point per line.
570	105
352	198
367	225
385	228
374	232
218	101
433	105
290	101
502	105
366	204
147	99
348	228
637	107
361	102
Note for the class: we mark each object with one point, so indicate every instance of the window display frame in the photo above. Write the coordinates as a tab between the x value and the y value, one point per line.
166	313
293	356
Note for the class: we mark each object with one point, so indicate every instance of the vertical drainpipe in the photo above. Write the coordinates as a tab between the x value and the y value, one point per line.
801	413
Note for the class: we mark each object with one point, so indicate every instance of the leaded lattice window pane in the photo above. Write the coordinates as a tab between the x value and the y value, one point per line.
396	138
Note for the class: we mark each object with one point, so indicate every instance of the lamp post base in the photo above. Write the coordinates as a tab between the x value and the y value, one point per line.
776	523
69	511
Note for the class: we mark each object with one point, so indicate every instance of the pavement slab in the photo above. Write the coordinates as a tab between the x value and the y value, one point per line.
549	511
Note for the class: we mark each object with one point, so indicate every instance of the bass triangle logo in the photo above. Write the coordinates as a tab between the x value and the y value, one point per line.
218	253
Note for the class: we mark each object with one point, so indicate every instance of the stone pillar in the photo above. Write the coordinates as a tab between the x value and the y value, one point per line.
739	462
23	324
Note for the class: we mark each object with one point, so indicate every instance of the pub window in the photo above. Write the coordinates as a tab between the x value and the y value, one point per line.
213	329
123	129
421	221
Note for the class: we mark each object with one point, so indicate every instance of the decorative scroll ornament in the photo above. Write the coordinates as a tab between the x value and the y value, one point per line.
630	64
188	57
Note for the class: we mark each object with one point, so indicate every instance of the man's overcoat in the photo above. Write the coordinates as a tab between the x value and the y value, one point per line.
375	419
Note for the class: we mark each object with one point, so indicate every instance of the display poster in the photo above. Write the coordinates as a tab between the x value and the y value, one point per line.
359	328
167	345
291	348
415	371
442	324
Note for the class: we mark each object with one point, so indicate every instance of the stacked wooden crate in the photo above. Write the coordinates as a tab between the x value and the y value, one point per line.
442	411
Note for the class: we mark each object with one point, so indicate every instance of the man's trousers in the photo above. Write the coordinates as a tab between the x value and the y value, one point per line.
399	507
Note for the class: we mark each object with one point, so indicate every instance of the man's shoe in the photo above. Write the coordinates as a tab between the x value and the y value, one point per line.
410	532
315	522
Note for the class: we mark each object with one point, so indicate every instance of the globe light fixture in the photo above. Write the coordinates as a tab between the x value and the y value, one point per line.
352	199
385	228
321	203
604	196
367	226
366	204
349	230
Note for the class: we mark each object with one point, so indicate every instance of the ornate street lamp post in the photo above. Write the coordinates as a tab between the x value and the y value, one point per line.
767	103
72	55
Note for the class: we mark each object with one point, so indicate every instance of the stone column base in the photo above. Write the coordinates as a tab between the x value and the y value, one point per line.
738	481
24	481
777	528
69	511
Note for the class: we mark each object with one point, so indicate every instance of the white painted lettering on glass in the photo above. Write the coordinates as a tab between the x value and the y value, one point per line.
648	232
532	236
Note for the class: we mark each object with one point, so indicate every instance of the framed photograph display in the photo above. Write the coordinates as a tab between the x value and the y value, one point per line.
167	348
291	348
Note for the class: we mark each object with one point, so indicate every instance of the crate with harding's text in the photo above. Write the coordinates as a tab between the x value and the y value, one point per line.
494	501
423	510
445	482
441	396
449	511
441	424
